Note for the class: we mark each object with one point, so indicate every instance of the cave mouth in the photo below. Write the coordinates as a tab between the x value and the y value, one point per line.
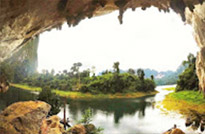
101	41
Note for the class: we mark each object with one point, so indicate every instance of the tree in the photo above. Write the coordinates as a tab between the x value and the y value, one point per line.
140	74
52	99
75	71
131	71
85	73
191	59
116	67
152	77
188	80
75	68
106	72
65	72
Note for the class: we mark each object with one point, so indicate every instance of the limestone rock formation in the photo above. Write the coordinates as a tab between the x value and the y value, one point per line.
21	64
21	20
23	117
197	20
52	126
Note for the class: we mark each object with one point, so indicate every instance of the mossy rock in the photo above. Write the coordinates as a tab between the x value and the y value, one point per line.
90	128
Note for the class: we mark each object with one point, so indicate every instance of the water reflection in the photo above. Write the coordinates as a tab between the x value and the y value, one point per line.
117	107
116	116
14	95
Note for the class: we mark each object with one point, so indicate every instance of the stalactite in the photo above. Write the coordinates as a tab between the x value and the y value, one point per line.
179	7
120	4
191	7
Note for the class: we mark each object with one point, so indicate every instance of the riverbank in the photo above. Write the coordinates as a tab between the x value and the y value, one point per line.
80	95
184	102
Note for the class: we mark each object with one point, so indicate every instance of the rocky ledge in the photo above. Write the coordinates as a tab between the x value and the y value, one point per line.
29	117
23	117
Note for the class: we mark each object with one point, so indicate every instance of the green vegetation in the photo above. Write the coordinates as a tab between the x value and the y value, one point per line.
188	80
107	83
186	98
52	99
80	95
86	121
26	87
189	96
185	102
117	83
87	117
46	94
170	89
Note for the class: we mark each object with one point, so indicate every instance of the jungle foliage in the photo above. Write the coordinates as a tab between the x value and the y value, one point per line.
52	99
188	80
83	81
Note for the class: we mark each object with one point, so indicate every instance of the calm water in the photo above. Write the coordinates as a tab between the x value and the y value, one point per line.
116	116
15	95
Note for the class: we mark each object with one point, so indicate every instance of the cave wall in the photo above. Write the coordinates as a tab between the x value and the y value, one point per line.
197	20
22	63
22	20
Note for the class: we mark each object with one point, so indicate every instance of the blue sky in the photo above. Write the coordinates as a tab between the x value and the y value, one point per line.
147	39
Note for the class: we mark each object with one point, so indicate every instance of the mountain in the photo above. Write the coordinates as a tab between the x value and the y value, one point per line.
170	77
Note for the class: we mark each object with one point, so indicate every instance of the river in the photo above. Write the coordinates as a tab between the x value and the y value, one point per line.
116	116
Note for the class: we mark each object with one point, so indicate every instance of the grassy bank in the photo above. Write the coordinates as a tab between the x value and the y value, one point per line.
169	89
26	87
184	102
80	95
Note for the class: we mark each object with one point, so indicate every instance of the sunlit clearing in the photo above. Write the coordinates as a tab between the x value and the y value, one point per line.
147	39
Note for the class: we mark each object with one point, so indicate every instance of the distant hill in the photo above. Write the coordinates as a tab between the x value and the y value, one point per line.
162	77
157	75
165	77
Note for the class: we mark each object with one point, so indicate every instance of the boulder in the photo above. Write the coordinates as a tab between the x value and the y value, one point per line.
90	128
52	126
175	131
77	129
23	117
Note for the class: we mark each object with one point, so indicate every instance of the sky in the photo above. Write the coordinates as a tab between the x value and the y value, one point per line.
146	39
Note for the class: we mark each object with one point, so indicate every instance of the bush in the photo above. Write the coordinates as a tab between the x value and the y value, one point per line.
86	121
117	83
52	99
87	117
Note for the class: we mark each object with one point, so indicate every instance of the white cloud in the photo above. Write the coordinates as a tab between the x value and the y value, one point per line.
147	39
